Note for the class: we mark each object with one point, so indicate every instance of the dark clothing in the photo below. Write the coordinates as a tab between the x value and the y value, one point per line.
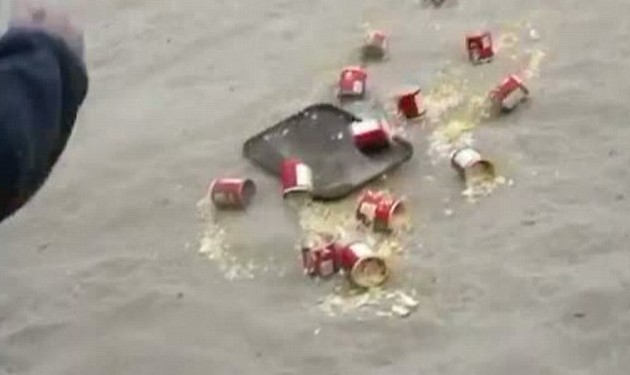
42	85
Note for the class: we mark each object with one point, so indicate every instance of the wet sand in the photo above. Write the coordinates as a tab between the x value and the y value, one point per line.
102	272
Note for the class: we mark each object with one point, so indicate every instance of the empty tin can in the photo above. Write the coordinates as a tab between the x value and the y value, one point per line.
479	46
509	93
297	177
232	193
371	134
471	166
375	45
319	255
352	82
362	265
409	103
379	210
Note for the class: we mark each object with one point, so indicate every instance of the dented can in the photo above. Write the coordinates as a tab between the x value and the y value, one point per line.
232	193
479	47
375	45
509	93
362	265
470	165
319	255
352	82
371	134
410	103
297	177
379	210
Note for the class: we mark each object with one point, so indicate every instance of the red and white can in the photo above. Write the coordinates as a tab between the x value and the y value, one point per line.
410	103
297	177
362	265
379	210
371	134
479	47
232	193
352	82
319	255
469	164
375	45
509	93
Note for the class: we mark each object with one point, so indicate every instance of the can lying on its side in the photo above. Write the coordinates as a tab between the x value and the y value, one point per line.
409	102
297	177
319	254
379	210
375	46
362	265
509	94
471	166
232	193
371	135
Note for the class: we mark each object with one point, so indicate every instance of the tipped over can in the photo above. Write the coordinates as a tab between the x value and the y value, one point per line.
479	47
232	193
509	93
362	265
409	102
319	254
471	167
352	82
379	210
371	134
297	177
375	45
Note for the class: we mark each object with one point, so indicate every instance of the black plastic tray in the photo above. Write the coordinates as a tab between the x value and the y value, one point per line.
320	136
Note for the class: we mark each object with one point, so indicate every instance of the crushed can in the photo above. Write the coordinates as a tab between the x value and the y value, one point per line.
375	46
363	267
371	135
410	103
471	167
379	210
232	193
319	255
296	176
509	94
352	82
479	47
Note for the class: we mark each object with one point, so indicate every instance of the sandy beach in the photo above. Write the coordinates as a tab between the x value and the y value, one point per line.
116	268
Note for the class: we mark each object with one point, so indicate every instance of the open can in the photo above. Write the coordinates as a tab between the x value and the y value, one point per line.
297	177
371	134
352	82
509	93
362	265
379	210
375	45
471	166
232	193
409	103
479	47
319	254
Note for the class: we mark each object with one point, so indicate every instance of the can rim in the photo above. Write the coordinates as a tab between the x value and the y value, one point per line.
247	191
360	261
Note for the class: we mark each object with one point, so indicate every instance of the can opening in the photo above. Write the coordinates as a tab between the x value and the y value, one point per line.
479	173
369	272
248	190
397	214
